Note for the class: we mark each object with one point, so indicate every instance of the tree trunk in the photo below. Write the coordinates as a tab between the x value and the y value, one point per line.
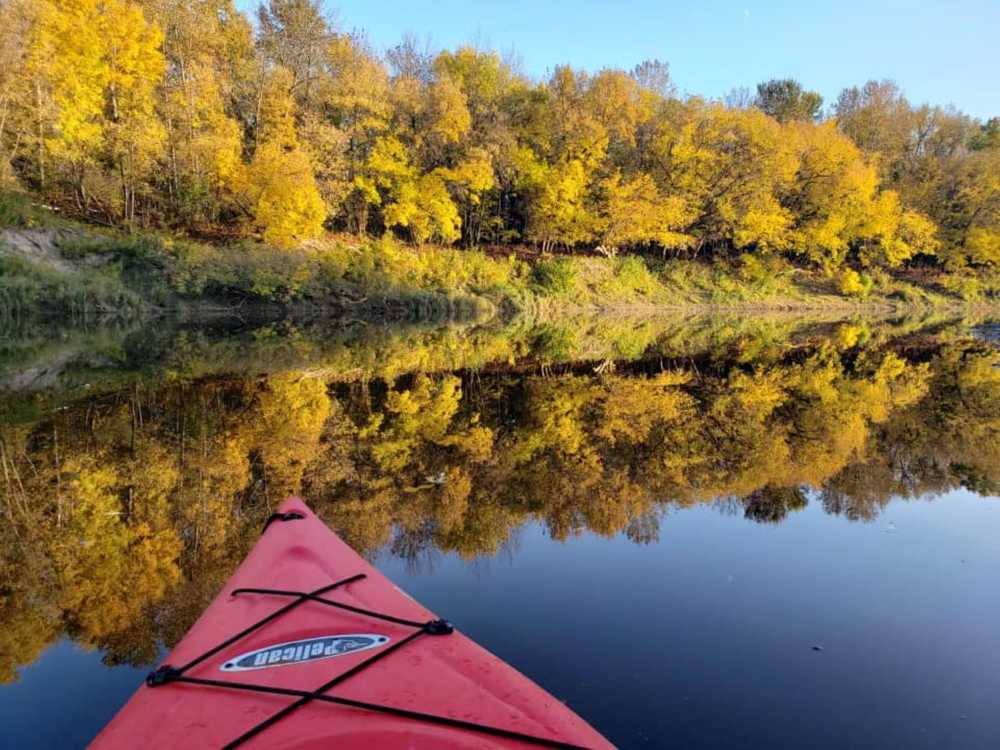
41	136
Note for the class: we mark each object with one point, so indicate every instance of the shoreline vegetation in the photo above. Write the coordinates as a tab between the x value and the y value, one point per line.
161	155
51	268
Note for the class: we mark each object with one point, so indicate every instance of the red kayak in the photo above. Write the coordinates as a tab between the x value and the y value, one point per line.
308	646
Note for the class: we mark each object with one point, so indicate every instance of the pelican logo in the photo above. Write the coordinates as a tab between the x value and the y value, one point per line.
297	652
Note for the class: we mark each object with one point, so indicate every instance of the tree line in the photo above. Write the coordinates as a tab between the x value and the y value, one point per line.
184	114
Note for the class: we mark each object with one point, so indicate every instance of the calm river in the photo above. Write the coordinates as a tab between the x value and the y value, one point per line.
698	533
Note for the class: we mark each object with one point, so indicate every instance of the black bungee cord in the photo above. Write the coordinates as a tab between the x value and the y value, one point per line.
167	674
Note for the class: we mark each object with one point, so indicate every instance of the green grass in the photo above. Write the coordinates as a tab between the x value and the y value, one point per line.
748	279
555	277
19	211
343	273
26	288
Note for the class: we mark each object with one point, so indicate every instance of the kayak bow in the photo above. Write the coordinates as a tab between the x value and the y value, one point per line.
308	646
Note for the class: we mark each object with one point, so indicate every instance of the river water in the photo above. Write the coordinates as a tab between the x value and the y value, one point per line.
697	532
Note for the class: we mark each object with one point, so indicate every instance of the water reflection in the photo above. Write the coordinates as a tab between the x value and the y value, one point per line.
129	500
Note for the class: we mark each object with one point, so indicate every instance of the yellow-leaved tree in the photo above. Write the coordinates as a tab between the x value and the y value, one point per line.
833	195
356	101
560	212
419	203
208	47
968	200
730	167
280	184
133	133
468	182
93	68
636	212
892	235
18	119
69	77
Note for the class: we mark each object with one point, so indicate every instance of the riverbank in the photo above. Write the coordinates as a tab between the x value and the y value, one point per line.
50	268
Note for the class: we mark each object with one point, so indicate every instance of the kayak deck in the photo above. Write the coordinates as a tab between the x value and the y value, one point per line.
308	644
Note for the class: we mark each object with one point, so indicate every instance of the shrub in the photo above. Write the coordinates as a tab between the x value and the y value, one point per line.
554	276
17	210
688	276
633	273
963	285
853	284
765	275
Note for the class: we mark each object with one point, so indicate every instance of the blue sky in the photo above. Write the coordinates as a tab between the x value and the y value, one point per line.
938	52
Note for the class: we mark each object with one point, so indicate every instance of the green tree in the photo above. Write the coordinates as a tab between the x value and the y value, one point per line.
784	99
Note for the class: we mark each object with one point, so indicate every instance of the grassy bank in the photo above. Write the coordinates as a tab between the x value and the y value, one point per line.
54	268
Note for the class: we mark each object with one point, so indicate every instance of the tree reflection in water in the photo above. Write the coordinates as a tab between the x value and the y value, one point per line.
126	511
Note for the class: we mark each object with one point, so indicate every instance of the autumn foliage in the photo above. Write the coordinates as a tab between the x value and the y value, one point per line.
183	114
